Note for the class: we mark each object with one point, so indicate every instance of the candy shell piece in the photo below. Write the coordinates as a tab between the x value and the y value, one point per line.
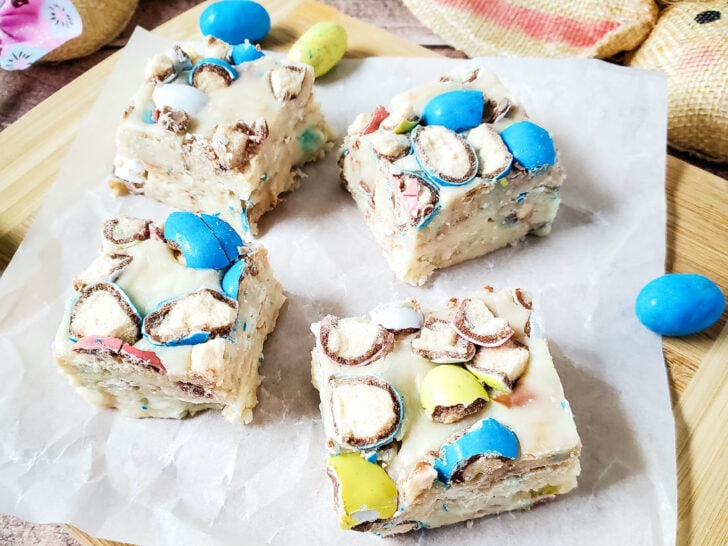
212	73
225	234
366	411
679	304
363	491
321	46
191	319
445	157
246	52
450	393
231	280
398	317
235	21
457	110
204	246
487	438
530	144
179	97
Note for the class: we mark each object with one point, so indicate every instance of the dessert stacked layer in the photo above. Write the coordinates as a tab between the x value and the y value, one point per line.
438	417
452	171
170	319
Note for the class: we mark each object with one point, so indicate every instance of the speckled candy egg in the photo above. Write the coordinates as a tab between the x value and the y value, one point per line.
530	144
679	304
206	241
458	110
235	21
321	46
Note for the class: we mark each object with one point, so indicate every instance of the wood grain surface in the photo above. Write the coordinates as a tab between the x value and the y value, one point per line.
697	216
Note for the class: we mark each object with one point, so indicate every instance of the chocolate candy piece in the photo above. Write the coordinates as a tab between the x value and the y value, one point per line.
124	231
438	342
494	159
245	52
679	304
206	241
212	73
321	46
235	21
103	309
500	367
179	97
366	411
450	393
487	438
457	110
286	82
398	317
530	145
191	319
363	491
475	322
353	341
445	157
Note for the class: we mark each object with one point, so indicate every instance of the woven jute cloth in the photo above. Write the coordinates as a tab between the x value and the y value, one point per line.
538	28
103	20
690	44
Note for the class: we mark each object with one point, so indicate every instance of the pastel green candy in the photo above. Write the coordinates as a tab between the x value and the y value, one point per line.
321	46
447	386
365	490
405	126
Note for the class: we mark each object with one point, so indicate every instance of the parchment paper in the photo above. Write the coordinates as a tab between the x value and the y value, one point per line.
205	481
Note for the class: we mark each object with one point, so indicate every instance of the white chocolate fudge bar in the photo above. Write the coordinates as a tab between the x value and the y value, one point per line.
170	320
434	418
205	135
452	171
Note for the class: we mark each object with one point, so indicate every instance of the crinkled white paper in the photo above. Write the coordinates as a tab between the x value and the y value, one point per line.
205	481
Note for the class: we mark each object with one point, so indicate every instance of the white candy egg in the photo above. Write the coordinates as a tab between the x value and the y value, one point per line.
397	316
179	97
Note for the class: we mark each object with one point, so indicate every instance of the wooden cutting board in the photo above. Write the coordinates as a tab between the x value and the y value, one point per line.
34	146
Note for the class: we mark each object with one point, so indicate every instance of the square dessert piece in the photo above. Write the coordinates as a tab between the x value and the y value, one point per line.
209	131
452	171
170	319
433	418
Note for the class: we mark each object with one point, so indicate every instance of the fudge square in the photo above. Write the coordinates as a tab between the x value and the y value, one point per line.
452	171
170	319
433	418
205	134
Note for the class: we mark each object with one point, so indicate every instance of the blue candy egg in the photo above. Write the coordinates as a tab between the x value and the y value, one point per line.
235	21
206	241
458	110
679	304
486	438
530	144
245	52
231	279
230	69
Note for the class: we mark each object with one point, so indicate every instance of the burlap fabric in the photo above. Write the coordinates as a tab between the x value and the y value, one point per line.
103	20
539	28
690	44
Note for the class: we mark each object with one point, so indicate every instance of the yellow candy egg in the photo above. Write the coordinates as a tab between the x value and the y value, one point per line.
321	46
449	393
365	491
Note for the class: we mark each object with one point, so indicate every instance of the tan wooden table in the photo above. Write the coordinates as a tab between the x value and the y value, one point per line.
34	146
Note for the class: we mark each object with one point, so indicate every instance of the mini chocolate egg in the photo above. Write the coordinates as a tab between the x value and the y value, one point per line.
205	244
245	52
212	73
321	46
486	438
363	490
103	309
179	97
679	304
450	393
457	110
235	21
445	157
231	279
191	319
530	144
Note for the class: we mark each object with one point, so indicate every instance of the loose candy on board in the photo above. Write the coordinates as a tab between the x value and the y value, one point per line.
321	46
679	304
235	21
